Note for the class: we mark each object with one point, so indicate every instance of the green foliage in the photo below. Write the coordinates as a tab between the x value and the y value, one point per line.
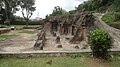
92	5
16	22
111	17
7	22
3	18
27	31
57	11
72	11
108	18
116	5
28	8
100	43
4	36
41	62
3	26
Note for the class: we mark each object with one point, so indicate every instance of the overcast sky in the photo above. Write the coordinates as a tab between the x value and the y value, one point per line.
44	7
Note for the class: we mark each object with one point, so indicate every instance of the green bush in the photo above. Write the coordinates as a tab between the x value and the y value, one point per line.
100	43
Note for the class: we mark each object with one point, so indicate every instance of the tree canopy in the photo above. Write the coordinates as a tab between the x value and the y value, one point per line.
58	11
11	6
28	8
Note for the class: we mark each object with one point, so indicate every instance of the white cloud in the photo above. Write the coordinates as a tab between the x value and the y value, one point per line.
44	7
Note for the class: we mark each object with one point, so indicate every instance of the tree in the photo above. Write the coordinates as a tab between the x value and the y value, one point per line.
58	11
3	15
93	5
1	3
27	9
10	9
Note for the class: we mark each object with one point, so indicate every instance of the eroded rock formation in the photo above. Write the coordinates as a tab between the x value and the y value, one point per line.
40	43
76	27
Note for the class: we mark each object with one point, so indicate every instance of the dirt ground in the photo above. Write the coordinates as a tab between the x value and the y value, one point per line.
66	46
18	43
26	41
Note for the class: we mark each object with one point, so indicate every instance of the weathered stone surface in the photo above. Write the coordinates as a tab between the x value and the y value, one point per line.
77	47
40	43
67	38
59	46
77	26
54	34
58	39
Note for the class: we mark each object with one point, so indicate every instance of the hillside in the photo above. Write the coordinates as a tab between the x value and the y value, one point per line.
110	8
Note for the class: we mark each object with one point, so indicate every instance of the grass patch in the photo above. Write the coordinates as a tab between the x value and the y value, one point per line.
83	60
4	26
19	26
3	36
67	61
108	18
27	31
41	62
113	17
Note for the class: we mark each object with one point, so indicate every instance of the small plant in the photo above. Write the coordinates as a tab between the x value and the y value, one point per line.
100	43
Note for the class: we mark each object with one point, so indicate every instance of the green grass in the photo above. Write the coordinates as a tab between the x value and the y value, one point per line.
19	26
27	31
4	26
2	36
108	18
41	62
68	61
116	60
111	18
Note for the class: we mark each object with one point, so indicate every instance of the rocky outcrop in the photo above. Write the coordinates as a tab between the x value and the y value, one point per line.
77	27
40	43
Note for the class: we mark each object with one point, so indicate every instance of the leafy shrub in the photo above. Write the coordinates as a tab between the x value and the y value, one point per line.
100	43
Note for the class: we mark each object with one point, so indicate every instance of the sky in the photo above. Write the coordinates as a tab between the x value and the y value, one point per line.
44	7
